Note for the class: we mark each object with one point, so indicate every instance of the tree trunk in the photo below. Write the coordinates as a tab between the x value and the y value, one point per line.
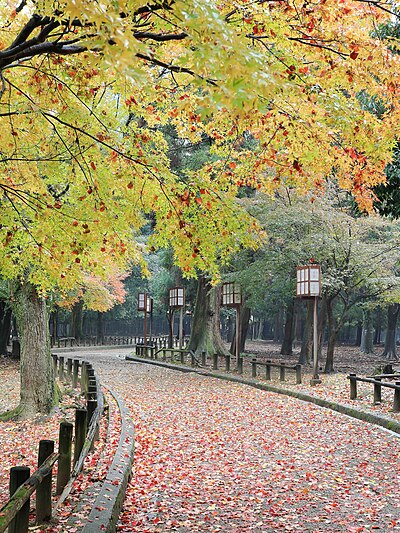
245	313
322	319
306	345
358	340
367	333
278	327
205	332
77	321
390	342
378	326
287	345
100	327
170	314
333	332
36	366
5	326
260	329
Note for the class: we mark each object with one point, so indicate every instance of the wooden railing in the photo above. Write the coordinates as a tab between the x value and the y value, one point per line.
15	512
281	366
377	382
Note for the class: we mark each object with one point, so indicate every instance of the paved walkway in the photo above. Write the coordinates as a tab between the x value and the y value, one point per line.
216	456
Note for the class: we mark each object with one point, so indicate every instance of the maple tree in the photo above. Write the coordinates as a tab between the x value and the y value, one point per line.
85	88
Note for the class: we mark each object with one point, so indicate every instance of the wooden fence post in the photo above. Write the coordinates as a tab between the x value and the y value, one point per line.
61	367
254	368
396	399
215	361
81	417
203	358
227	362
282	372
298	374
91	407
65	452
268	370
83	376
69	370
353	386
75	373
43	491
18	475
377	391
240	365
55	358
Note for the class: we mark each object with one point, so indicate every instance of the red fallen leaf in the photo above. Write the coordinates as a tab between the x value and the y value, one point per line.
354	54
93	165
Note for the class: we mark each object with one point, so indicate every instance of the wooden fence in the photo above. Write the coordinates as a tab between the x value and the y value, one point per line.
15	513
377	383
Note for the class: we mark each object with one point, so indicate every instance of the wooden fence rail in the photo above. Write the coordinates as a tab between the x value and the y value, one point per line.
378	384
282	369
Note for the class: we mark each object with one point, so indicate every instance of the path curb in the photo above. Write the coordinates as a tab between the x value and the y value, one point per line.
108	504
373	418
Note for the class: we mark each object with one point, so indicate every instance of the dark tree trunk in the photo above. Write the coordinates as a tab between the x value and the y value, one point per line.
245	313
367	334
77	321
359	329
37	383
205	332
378	326
287	345
332	336
170	319
5	326
390	342
278	327
100	327
322	321
306	345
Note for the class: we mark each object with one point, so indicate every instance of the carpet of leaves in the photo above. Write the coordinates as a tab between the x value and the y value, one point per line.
215	456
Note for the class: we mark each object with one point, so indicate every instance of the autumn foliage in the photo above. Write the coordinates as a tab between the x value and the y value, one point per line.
87	87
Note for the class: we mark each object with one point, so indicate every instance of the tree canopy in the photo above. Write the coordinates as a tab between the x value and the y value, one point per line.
86	86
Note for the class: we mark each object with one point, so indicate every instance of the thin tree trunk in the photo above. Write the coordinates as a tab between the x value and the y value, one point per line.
390	342
245	313
333	331
37	381
287	345
5	326
378	326
358	340
77	321
100	327
367	333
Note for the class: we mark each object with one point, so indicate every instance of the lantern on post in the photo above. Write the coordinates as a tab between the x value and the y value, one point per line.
308	286
231	296
145	304
177	301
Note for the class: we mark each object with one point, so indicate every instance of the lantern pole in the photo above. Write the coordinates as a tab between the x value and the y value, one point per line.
315	379
181	328
145	324
237	335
